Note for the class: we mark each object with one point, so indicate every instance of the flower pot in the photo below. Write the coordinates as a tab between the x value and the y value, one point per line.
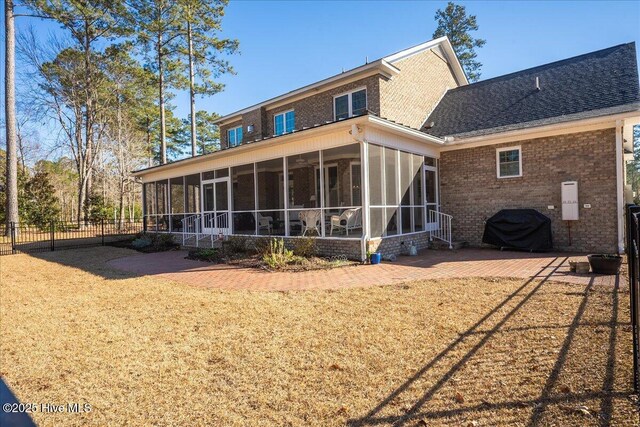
376	258
605	263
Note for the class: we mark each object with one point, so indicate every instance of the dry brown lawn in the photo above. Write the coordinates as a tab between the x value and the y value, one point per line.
145	351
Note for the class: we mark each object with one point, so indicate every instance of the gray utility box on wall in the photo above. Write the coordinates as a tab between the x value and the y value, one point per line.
569	191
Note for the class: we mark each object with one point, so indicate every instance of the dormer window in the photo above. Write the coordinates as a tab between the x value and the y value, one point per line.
284	122
350	104
234	136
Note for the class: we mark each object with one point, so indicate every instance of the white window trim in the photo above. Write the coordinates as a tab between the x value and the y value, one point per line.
500	150
284	121
235	130
349	102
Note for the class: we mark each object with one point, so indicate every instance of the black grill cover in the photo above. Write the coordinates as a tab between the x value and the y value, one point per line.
525	229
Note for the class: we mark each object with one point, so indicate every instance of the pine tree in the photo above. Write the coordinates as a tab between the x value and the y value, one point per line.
202	21
158	30
11	177
208	133
41	205
454	23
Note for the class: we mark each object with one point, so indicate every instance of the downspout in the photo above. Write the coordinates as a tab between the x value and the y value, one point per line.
620	185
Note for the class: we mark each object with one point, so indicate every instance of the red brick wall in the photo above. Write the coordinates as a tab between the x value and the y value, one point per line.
312	110
407	98
317	109
471	192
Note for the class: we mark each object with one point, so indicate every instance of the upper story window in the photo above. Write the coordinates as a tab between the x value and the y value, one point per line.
350	104
234	136
509	162
284	122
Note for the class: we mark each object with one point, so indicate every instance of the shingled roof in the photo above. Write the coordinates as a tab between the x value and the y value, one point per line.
591	85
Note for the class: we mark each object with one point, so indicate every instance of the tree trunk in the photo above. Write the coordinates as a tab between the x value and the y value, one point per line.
10	116
82	186
88	113
192	90
121	160
121	207
23	163
149	149
163	142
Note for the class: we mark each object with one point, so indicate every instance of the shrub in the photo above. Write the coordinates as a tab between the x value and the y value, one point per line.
305	247
236	244
163	240
210	255
96	208
278	256
155	242
261	246
141	242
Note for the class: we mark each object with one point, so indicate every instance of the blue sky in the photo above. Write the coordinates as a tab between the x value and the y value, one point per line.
287	44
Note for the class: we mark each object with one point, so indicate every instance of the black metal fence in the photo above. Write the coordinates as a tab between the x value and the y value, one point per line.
30	238
633	259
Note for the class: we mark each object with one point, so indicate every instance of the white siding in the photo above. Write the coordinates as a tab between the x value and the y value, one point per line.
290	145
263	150
387	139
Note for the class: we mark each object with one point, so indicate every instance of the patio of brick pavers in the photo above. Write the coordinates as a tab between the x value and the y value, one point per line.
429	264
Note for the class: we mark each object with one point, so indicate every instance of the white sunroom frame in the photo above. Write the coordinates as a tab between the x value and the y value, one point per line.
364	136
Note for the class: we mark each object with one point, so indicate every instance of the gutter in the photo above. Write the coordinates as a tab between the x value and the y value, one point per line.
382	65
620	171
404	130
453	143
248	146
373	121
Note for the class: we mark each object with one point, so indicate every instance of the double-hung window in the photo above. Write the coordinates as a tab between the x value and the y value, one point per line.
234	136
350	104
509	162
284	122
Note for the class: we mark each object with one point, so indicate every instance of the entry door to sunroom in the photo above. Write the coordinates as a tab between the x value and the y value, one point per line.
431	189
208	202
221	189
215	197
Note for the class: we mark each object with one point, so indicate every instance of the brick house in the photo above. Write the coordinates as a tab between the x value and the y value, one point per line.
403	150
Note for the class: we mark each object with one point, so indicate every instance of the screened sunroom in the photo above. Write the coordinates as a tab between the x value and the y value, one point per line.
330	187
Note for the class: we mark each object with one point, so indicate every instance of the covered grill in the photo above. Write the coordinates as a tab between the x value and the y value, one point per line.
525	229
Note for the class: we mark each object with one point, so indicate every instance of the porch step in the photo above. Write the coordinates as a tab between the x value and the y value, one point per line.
442	245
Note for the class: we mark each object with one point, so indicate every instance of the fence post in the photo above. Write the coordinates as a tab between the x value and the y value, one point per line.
12	226
53	235
633	243
102	222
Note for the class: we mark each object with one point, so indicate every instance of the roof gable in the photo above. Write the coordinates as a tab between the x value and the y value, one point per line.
383	66
605	80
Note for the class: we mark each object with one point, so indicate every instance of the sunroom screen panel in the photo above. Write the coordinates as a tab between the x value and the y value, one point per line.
375	175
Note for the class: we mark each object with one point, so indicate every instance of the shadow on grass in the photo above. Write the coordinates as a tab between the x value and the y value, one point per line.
94	260
15	416
419	410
